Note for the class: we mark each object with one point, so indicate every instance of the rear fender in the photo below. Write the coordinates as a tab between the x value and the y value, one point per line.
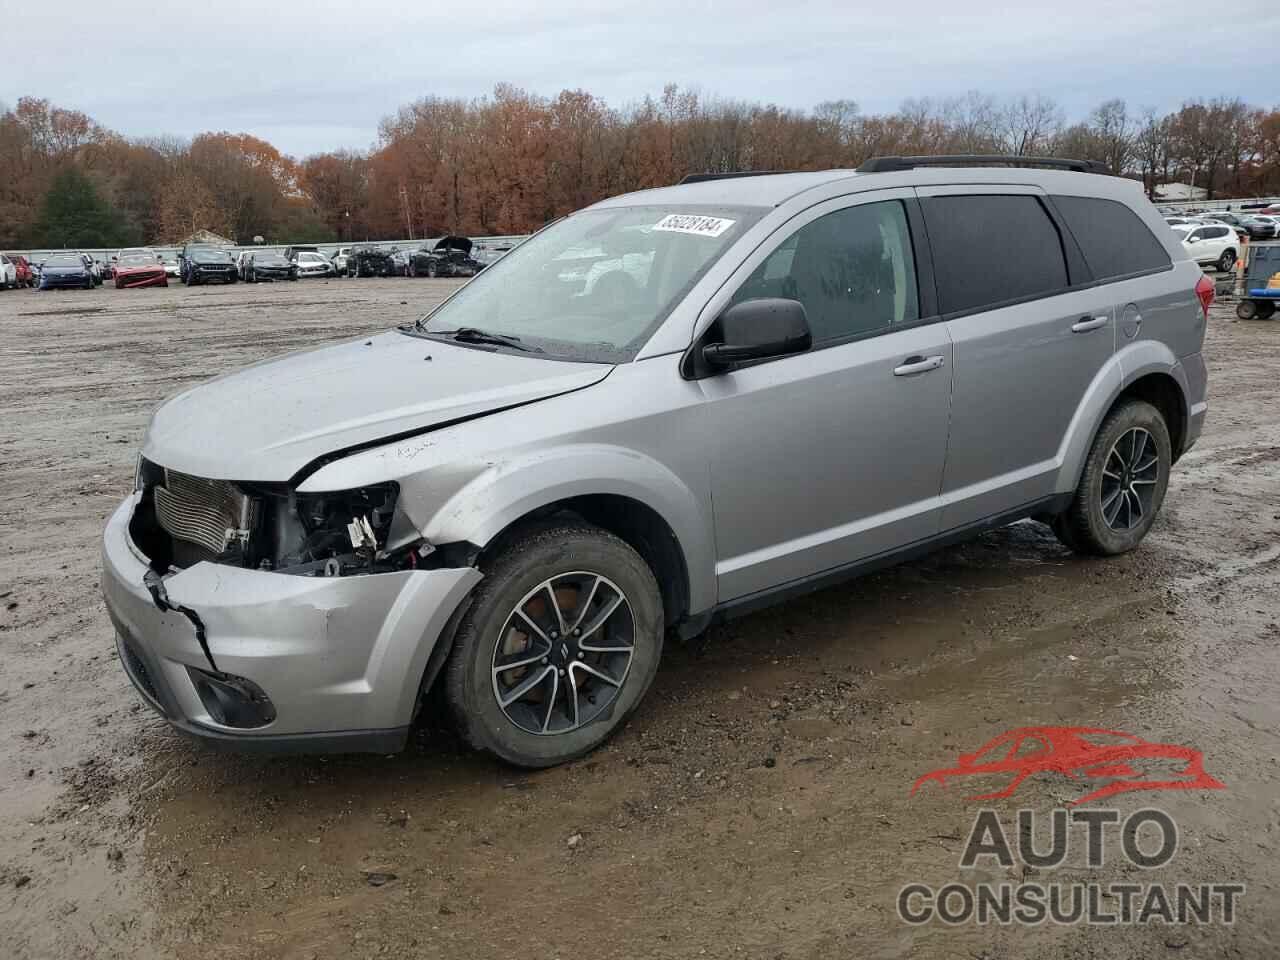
1127	365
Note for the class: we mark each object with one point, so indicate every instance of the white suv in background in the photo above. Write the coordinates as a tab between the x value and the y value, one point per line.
1210	243
8	273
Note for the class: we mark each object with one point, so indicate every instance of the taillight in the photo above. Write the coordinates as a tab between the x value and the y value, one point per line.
1204	293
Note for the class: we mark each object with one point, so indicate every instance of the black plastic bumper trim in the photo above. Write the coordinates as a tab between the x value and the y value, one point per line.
389	740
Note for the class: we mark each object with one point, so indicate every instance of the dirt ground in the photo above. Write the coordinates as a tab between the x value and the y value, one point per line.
756	806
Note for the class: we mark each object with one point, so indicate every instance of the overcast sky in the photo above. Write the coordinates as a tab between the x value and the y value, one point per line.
316	75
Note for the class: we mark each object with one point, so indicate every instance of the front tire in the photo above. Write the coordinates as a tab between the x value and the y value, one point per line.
1122	485
559	645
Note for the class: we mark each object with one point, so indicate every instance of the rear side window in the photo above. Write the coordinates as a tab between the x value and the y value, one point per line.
990	249
1114	240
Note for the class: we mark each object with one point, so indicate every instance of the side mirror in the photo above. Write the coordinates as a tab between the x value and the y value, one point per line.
759	329
1193	239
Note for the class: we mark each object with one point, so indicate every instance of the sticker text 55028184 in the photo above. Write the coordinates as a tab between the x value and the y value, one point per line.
689	223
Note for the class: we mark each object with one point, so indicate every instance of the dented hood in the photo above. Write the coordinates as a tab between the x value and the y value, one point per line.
267	421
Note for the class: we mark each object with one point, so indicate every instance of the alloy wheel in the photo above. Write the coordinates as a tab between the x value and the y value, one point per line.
564	653
1129	479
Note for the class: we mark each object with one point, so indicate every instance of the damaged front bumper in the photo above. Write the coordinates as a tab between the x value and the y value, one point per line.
323	664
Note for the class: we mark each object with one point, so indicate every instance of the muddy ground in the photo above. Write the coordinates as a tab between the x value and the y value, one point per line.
756	806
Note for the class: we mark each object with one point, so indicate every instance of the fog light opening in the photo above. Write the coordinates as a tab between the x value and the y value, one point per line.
232	701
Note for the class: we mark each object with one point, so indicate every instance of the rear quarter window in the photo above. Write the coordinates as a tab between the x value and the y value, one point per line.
991	248
1114	240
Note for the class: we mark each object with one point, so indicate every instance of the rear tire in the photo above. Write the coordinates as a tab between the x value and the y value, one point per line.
1123	483
1227	261
568	709
1247	309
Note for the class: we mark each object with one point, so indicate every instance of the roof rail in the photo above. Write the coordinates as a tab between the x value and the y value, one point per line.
890	164
704	177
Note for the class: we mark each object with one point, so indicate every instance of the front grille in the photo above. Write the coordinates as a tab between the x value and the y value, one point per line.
208	513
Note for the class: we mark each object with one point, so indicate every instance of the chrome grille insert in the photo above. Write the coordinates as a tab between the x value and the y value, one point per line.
209	513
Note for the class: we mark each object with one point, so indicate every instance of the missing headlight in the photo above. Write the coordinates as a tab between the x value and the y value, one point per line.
333	534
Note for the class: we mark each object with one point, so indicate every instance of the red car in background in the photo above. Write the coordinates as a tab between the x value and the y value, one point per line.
26	273
139	268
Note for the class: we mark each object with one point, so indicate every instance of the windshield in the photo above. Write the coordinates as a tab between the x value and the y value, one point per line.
596	285
65	260
137	260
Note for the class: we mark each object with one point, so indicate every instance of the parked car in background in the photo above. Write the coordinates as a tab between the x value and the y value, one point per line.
291	253
203	264
62	270
27	274
94	268
8	273
1213	244
370	260
340	258
399	262
133	252
139	268
313	265
172	266
448	257
803	386
1236	223
262	265
1261	227
186	254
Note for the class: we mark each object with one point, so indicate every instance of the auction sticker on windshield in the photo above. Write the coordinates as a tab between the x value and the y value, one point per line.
699	226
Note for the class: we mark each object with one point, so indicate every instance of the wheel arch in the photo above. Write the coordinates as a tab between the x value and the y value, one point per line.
1162	391
639	525
1147	370
626	493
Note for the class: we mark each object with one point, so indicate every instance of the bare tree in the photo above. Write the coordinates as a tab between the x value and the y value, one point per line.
1151	148
1113	133
1028	124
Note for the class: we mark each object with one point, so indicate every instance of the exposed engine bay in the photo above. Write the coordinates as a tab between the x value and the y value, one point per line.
182	520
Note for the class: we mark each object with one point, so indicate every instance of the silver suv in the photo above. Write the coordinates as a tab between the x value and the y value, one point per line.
670	407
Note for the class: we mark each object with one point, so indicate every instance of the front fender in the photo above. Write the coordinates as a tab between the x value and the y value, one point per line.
1127	365
511	489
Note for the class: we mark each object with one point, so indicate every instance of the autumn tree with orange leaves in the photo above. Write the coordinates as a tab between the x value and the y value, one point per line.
513	160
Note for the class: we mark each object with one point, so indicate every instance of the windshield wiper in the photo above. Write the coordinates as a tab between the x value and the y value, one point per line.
476	335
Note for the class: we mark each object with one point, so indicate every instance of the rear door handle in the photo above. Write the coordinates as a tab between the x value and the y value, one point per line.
1085	324
917	364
